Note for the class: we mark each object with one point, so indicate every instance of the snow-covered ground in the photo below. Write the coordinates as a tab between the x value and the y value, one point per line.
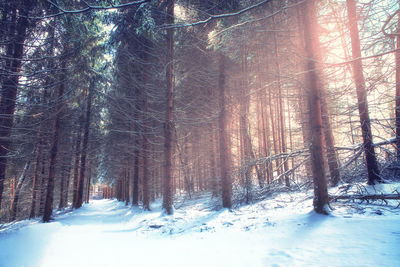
282	231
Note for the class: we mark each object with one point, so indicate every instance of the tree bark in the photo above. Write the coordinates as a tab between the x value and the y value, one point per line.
88	183
48	208
76	165
358	76
43	185
168	194
329	142
65	175
312	48
39	155
136	157
79	199
14	203
146	177
224	152
397	108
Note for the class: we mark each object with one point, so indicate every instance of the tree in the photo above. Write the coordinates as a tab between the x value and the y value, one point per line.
168	131
48	208
312	48
358	76
224	153
14	202
79	200
397	94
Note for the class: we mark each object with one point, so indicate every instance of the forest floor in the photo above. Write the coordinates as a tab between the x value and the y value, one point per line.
277	231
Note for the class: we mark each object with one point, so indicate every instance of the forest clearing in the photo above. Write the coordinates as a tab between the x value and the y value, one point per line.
223	132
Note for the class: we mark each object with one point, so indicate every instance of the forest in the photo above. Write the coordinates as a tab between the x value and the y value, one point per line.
230	102
220	123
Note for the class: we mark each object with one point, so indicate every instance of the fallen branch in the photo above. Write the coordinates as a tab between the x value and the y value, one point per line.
383	197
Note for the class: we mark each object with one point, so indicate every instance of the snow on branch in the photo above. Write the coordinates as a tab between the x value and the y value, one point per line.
62	11
219	16
367	198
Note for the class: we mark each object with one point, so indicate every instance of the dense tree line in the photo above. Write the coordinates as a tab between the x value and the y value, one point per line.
163	98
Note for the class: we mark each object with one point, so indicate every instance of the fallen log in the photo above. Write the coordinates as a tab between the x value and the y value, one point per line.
365	197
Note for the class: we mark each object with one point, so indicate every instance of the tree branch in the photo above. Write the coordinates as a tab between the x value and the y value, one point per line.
219	16
387	22
88	7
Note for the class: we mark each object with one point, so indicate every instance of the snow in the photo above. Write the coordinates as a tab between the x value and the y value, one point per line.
281	231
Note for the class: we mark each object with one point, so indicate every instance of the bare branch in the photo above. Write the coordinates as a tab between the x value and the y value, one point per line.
219	16
387	22
62	11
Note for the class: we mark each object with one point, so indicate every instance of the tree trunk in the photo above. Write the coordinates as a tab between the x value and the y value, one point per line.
126	186
312	47
88	183
274	136
358	76
135	186
76	165
168	195
43	186
146	177
10	87
281	110
223	136
48	208
39	152
14	203
79	199
213	175
329	142
397	108
65	175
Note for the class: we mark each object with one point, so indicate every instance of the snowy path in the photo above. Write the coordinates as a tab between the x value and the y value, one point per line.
106	233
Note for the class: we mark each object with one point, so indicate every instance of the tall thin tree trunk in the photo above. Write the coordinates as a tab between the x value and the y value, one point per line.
76	165
281	110
224	159
65	174
168	186
48	208
145	141
289	125
358	76
273	128
43	186
79	200
136	157
329	142
397	108
146	177
312	47
126	186
35	182
88	182
213	175
14	203
67	182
